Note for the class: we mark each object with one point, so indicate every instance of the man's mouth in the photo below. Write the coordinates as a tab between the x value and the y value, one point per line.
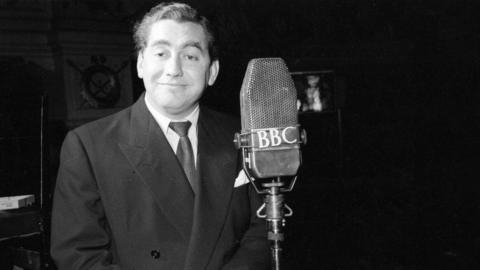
175	85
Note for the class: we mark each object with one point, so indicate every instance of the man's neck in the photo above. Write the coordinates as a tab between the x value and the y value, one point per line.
172	115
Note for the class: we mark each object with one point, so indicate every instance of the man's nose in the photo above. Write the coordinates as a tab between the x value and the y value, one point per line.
173	67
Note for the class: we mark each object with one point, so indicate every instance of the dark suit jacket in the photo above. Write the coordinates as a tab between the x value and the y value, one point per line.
122	200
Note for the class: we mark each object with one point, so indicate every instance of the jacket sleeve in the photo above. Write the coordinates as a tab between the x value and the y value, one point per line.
253	252
80	238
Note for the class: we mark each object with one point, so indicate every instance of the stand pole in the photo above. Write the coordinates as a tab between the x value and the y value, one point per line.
274	215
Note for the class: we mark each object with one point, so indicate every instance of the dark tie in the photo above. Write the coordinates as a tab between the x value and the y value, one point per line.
185	152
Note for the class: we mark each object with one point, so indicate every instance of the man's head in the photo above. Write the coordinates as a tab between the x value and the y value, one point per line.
179	12
174	58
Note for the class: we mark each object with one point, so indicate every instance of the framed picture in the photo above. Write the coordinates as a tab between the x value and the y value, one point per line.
315	90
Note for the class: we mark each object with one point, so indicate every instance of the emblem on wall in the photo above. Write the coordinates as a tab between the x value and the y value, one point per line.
101	86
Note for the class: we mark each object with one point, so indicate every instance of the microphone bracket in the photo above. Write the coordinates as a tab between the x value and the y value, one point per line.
278	205
264	187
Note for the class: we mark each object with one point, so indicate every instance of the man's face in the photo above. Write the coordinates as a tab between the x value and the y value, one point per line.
175	67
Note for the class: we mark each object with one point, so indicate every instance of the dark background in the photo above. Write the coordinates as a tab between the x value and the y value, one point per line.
397	187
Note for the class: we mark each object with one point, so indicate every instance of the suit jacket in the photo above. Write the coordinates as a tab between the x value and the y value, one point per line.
122	200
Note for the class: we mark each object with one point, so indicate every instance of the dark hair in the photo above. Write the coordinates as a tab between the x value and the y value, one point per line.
179	12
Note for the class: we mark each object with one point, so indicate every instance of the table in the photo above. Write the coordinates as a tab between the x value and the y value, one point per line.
19	223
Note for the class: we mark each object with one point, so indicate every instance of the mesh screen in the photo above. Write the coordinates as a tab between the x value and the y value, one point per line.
268	97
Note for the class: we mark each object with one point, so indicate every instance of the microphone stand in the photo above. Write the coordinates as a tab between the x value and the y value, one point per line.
273	211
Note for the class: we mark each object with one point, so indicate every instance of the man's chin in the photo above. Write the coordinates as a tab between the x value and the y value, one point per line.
179	112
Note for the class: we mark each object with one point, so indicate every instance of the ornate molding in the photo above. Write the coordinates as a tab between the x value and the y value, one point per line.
101	87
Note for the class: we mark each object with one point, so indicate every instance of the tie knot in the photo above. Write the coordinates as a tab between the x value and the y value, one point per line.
181	128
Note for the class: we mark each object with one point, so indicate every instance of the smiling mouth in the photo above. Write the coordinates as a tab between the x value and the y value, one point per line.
174	84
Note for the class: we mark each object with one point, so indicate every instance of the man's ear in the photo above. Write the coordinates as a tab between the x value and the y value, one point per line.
214	68
140	65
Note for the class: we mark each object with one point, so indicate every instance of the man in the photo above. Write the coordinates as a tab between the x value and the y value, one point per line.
131	193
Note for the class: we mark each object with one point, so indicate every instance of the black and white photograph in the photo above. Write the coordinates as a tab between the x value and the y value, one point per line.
239	135
315	90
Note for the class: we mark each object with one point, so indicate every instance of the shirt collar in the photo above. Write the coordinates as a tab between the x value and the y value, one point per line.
164	121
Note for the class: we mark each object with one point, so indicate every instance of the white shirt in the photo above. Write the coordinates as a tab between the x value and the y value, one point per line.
172	136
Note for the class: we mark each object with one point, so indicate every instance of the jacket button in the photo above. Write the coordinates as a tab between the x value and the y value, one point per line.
155	254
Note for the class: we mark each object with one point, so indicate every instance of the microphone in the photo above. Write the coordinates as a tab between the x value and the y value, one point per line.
270	141
270	132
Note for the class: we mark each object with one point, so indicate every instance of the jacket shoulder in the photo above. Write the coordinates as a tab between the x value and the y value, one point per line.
106	125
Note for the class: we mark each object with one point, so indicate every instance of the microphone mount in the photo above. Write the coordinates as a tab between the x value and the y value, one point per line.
273	210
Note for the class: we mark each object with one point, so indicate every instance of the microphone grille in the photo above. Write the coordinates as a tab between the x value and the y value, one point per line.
268	95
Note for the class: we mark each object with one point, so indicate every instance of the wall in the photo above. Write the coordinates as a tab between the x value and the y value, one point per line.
84	47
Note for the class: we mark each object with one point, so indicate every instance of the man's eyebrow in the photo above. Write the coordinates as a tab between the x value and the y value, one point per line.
193	43
160	42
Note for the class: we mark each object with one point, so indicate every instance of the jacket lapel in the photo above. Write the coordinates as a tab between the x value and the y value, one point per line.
217	163
149	152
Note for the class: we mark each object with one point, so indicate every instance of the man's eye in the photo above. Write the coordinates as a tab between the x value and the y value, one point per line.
160	54
191	57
